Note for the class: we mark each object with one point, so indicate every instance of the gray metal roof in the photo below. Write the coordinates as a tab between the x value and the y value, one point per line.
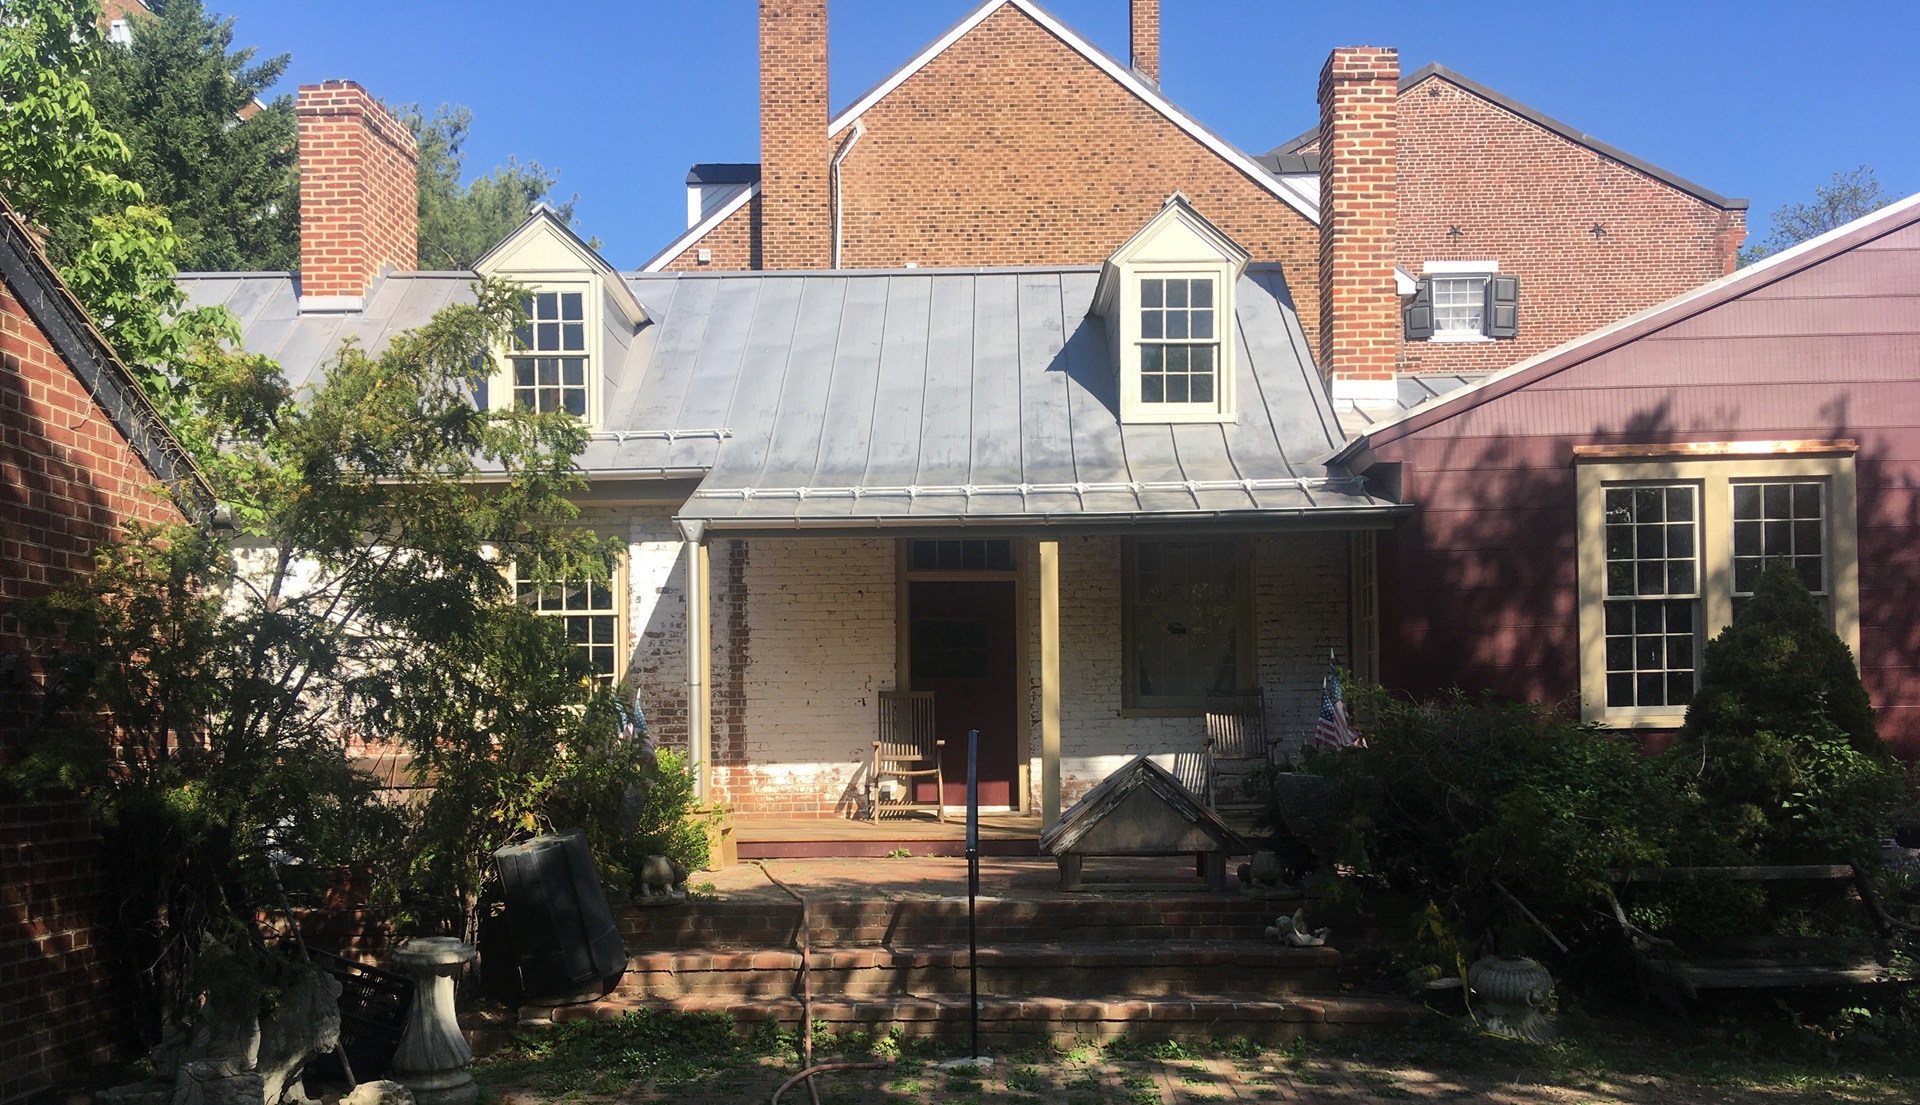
1412	390
911	397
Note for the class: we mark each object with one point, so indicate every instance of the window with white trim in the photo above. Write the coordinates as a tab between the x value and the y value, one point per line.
1671	545
589	610
1459	306
550	354
1179	341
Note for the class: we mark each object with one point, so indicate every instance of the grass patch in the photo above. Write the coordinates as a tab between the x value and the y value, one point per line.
606	1056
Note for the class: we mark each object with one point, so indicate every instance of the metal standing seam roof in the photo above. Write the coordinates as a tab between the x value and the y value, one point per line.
912	397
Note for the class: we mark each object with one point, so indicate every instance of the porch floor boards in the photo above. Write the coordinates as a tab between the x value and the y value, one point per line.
1001	834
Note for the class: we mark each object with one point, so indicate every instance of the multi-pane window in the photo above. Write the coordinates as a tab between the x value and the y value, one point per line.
951	648
1652	594
1185	617
1459	304
587	608
550	354
1179	347
1779	521
989	555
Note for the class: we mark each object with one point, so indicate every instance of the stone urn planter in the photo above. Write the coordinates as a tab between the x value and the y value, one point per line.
1513	993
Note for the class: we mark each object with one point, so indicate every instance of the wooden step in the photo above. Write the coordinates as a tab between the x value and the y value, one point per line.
1190	1017
944	921
1140	968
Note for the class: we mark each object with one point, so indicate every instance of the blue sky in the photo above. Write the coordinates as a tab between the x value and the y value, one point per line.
1763	100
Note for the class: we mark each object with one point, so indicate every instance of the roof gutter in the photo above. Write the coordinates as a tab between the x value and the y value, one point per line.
1382	516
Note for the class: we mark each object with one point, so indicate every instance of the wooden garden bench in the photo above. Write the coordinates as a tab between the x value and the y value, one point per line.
1680	974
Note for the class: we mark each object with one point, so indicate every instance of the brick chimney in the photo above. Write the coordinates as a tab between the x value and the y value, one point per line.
1359	309
1144	36
795	215
359	204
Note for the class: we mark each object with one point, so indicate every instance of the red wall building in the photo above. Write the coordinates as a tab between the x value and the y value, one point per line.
82	452
1806	365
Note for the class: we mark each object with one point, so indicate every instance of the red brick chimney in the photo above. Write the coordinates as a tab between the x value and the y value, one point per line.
359	204
1359	309
795	215
1144	26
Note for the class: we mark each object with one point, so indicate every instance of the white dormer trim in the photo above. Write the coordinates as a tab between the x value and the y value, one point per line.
659	261
1127	78
1177	243
545	255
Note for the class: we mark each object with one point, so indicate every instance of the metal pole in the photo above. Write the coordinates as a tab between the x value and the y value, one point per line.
973	878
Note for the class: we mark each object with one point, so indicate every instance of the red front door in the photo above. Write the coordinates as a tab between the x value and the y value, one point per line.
962	648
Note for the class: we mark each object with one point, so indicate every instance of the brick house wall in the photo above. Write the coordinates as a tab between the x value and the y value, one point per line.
1009	148
69	481
1529	198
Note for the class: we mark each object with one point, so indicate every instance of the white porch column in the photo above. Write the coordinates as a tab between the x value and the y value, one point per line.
699	659
1049	682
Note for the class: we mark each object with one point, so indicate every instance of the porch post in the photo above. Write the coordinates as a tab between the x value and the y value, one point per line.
1049	682
699	659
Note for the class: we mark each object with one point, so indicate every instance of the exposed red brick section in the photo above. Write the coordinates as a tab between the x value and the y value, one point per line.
68	483
1360	312
735	243
1009	148
796	230
1530	199
1143	35
359	203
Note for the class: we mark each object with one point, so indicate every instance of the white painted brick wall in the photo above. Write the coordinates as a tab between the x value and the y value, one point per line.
821	632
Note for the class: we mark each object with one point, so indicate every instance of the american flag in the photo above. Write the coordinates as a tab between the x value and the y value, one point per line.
1332	732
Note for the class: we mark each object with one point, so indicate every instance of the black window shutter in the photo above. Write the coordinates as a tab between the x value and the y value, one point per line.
1419	314
1503	306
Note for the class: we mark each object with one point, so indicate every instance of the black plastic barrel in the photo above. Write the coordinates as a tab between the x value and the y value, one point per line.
566	945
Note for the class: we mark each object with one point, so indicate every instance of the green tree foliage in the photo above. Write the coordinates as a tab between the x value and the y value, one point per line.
223	167
1780	738
1848	196
459	223
62	167
365	594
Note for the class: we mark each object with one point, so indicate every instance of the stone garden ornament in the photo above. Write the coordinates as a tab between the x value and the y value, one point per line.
662	882
1292	931
1513	994
433	1055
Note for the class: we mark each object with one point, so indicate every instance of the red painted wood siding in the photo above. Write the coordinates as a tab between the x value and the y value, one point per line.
1477	589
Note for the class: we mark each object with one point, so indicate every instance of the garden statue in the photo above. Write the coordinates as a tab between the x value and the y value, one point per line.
1513	994
233	1054
1292	931
663	881
432	1057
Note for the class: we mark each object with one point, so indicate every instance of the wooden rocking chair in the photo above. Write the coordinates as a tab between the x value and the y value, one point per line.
1236	742
906	752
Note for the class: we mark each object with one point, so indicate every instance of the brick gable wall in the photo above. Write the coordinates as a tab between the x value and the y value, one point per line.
1529	199
68	482
1011	149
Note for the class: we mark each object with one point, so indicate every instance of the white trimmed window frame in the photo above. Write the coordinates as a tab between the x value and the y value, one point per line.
1478	271
1714	470
501	387
617	586
1133	408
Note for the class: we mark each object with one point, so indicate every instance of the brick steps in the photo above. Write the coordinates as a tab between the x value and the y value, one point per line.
944	921
1137	967
1025	1018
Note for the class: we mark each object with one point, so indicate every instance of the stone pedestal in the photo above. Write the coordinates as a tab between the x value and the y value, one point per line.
432	1058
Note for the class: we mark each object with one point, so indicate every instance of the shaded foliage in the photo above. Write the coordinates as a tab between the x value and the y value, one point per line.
1846	197
459	223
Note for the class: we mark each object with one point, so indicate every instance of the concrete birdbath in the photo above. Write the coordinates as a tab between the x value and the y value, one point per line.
433	1056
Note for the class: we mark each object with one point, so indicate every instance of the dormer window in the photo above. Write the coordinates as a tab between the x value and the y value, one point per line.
550	354
1179	352
1167	297
580	320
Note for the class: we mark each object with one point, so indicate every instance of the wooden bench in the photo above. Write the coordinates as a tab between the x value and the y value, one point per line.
1680	974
